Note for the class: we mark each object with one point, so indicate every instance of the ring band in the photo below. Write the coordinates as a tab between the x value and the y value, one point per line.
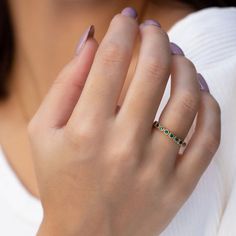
168	133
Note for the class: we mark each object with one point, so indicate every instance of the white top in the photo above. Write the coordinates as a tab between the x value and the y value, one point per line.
208	38
20	212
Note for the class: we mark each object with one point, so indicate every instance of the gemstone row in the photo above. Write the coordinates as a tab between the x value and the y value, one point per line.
168	133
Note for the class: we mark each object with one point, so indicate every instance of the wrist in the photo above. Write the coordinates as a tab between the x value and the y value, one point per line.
49	228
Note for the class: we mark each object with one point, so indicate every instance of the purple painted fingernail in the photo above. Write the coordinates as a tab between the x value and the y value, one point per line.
89	33
130	11
176	50
203	84
152	22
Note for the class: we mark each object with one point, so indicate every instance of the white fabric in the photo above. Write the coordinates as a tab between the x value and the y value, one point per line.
20	212
208	38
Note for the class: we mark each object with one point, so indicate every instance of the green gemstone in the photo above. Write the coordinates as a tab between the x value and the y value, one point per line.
166	131
161	128
171	135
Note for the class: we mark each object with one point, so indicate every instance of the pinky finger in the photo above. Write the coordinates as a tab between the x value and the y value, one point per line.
203	144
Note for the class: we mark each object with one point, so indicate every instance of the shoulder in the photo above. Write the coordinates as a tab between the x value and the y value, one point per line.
208	36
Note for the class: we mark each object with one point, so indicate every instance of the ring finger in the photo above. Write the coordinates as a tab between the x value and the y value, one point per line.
181	109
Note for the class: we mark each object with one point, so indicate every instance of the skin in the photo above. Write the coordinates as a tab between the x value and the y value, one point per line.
27	86
143	182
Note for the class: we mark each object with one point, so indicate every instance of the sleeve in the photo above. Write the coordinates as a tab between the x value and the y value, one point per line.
208	39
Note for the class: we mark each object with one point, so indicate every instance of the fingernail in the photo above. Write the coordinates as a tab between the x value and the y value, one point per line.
130	11
89	33
176	50
203	84
151	22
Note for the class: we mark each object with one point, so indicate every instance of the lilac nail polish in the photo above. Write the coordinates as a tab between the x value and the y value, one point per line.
152	22
89	33
203	84
129	11
176	50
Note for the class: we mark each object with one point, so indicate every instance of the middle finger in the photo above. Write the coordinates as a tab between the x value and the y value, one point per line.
106	78
147	87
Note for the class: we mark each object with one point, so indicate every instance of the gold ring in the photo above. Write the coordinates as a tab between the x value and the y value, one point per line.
169	134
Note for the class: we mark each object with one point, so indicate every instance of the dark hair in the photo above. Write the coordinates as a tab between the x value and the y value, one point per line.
200	4
6	47
7	37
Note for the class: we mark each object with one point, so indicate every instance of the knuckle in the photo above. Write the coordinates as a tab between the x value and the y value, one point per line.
123	152
189	101
82	134
122	156
58	83
154	68
62	81
112	53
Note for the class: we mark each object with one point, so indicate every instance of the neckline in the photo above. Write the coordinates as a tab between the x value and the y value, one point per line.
16	195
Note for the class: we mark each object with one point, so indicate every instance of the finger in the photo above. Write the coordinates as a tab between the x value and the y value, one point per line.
150	78
108	73
204	142
181	109
66	89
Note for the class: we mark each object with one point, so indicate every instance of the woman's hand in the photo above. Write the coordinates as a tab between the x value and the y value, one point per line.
107	172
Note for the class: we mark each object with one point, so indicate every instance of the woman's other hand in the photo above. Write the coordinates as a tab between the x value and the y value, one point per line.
104	171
